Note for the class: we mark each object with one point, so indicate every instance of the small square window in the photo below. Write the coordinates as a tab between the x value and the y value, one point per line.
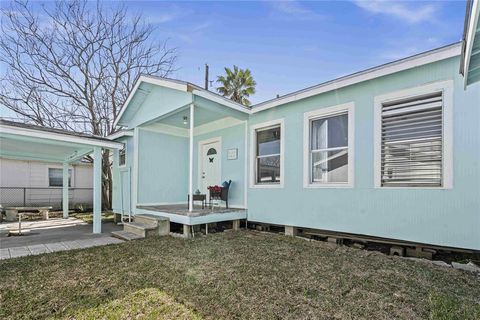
55	177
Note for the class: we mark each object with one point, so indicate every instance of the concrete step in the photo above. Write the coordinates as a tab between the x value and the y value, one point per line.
125	235
146	219
162	223
141	229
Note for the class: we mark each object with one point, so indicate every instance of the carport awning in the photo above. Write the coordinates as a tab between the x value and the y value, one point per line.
28	142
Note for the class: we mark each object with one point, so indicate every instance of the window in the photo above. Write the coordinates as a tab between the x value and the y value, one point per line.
328	144
55	177
211	151
411	147
122	158
413	132
267	149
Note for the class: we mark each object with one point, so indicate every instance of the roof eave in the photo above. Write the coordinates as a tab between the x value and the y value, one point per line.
469	39
369	74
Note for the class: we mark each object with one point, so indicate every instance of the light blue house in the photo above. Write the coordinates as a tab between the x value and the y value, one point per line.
391	152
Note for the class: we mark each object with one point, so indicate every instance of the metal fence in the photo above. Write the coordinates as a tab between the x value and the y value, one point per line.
35	197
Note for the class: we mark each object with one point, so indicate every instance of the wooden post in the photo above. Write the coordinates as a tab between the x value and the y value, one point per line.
65	190
97	190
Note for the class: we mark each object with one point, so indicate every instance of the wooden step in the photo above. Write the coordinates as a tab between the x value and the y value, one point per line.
125	235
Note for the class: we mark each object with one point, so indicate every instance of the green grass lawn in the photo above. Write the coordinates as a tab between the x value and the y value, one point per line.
232	275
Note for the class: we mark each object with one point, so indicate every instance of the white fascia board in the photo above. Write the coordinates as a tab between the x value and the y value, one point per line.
120	134
38	134
376	72
153	80
220	100
472	28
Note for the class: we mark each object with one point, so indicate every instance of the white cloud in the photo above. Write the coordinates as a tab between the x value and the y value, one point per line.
409	12
292	10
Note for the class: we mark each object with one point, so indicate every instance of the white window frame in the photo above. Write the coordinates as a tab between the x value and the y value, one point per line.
118	154
253	153
327	112
70	168
446	87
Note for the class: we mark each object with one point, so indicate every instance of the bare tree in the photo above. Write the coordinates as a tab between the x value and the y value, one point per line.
72	65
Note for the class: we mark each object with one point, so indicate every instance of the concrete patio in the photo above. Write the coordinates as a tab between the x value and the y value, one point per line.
52	235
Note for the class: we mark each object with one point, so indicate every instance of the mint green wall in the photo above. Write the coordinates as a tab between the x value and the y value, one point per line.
441	217
233	137
162	168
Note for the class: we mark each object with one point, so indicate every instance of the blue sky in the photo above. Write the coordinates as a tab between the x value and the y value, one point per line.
291	45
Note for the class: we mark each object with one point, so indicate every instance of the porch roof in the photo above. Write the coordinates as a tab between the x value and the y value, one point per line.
178	97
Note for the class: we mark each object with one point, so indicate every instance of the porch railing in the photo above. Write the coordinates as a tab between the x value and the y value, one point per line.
52	196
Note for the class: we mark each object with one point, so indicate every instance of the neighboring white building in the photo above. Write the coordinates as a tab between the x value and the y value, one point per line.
35	183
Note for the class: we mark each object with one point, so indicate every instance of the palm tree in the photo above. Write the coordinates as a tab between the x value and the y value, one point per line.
237	85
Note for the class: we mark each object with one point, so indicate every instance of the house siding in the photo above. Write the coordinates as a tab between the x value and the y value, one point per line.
162	168
232	138
449	217
34	174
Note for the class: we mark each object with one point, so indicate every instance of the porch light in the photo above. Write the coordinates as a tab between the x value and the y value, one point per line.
185	120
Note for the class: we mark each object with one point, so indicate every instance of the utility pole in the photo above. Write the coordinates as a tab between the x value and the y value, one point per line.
206	76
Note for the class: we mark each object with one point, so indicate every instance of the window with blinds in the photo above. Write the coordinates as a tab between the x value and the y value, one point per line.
412	142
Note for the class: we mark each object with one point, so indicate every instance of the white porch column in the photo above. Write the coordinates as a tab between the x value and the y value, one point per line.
97	190
65	190
190	170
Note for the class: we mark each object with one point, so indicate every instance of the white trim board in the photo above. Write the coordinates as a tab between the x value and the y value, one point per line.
470	39
324	113
369	74
253	153
120	134
447	88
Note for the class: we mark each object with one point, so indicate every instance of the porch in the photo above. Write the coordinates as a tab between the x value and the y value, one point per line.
185	139
180	213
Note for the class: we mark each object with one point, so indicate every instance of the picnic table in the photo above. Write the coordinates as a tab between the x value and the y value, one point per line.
12	212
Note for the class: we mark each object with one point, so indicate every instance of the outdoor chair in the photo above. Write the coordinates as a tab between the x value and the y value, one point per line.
223	194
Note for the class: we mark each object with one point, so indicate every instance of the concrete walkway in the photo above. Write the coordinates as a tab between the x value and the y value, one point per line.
53	235
15	252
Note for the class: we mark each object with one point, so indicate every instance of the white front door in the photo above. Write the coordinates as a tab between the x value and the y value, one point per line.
210	165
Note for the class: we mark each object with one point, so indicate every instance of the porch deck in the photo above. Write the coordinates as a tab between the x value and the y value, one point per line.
179	213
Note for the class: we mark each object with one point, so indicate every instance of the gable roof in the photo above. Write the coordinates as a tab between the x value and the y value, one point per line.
181	86
410	62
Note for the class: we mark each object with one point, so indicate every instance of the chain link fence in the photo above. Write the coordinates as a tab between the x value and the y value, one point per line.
79	198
